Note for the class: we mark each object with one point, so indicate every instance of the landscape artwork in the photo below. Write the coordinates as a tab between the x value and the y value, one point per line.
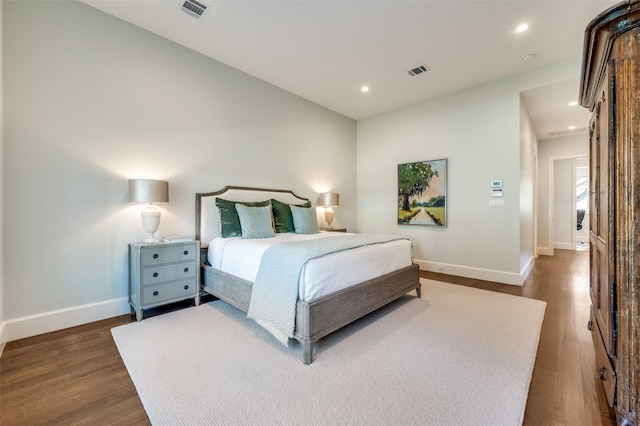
422	193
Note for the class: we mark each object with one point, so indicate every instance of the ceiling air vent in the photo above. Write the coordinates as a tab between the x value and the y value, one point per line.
418	70
194	8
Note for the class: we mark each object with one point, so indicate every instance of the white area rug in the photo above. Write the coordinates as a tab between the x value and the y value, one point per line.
458	356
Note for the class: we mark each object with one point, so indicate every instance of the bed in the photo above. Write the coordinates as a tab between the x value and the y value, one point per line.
321	310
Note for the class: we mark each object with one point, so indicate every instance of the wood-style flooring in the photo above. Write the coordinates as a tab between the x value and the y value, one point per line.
76	376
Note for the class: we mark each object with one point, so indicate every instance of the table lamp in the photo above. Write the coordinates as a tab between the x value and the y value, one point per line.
328	200
149	191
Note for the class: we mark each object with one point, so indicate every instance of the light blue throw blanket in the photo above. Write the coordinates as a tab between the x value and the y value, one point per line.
275	292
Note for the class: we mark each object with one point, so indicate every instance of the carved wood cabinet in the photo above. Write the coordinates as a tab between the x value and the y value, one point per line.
610	88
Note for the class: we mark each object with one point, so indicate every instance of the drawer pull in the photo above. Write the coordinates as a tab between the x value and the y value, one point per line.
186	252
186	287
155	255
603	373
155	275
155	293
186	269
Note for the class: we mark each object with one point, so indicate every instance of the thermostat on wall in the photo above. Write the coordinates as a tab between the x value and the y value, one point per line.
496	184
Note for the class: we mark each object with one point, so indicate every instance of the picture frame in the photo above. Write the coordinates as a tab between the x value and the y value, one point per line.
422	193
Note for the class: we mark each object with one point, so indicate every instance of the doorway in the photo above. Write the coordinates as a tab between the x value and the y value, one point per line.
582	207
570	204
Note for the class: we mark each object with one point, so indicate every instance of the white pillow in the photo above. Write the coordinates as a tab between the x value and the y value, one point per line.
256	222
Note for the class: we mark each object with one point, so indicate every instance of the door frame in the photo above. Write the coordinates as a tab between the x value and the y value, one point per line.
551	164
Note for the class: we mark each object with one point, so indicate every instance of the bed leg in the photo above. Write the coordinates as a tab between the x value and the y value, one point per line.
307	351
419	292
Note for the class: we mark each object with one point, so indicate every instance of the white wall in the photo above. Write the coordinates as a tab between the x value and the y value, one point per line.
528	153
550	151
563	205
91	101
478	130
2	327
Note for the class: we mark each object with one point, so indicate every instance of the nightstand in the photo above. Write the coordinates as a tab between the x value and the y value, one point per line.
162	273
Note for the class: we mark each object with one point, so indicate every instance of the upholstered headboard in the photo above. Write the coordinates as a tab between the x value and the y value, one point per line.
208	217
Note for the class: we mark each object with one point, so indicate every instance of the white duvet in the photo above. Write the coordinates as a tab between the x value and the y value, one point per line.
320	276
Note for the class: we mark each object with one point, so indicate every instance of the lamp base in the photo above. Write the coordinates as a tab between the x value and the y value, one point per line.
328	217
150	223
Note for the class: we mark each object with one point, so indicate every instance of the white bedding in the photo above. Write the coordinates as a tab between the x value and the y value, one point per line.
319	277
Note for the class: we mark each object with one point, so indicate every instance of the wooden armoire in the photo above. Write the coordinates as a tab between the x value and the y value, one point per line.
610	88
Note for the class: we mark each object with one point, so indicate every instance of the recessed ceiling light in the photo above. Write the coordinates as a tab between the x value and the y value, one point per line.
522	28
528	57
571	127
365	88
573	103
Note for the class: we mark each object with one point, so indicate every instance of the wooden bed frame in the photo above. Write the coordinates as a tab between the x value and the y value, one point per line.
314	319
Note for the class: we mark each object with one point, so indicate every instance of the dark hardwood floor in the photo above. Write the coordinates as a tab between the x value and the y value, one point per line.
76	376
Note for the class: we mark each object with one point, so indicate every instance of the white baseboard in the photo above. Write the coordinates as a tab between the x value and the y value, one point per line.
503	277
545	251
33	325
527	269
3	338
564	246
46	322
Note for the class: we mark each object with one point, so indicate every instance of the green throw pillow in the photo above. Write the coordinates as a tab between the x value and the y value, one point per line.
305	220
229	221
256	222
282	218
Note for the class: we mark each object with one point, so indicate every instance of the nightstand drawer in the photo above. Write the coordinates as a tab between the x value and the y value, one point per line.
163	292
158	254
175	271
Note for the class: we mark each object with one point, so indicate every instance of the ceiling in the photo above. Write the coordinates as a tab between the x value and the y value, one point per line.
325	51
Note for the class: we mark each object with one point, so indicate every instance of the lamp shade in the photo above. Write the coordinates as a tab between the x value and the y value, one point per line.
148	191
329	199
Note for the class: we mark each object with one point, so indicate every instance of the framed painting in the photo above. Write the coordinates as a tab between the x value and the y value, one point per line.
422	193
